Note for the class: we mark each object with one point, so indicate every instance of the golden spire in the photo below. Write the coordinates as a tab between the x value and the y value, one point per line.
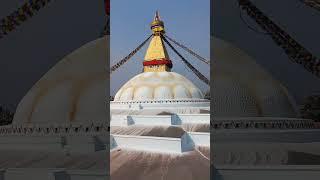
157	58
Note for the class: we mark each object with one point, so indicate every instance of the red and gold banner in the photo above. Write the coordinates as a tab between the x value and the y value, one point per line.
158	62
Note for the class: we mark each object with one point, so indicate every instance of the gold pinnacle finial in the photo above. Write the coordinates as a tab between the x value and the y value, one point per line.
157	25
157	17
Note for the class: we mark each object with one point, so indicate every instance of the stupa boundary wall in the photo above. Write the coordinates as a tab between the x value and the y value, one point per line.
161	104
277	172
72	129
216	122
151	120
261	123
52	174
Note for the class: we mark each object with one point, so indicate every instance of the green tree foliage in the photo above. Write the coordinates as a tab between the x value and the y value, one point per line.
6	116
311	108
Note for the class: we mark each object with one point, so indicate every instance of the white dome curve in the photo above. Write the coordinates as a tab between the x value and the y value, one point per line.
158	85
72	91
241	88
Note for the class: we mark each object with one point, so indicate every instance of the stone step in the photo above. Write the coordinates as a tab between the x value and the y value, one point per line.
200	138
185	143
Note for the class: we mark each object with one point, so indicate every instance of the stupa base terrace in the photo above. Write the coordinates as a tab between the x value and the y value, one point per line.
54	151
161	136
265	148
164	126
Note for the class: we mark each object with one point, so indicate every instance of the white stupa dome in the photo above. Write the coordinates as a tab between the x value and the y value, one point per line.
72	91
158	85
241	88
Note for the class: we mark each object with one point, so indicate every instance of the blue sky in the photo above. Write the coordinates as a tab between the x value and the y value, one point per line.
186	21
